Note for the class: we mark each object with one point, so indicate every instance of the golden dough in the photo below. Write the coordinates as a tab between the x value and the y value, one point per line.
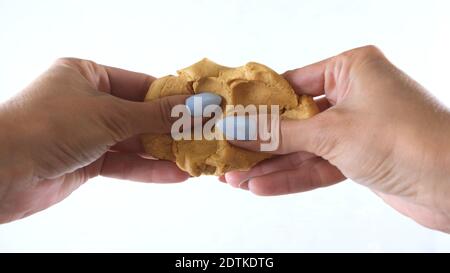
252	83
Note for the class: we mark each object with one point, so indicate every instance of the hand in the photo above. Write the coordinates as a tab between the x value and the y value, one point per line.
77	121
377	127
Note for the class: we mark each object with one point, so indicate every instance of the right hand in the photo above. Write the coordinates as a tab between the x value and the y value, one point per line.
377	127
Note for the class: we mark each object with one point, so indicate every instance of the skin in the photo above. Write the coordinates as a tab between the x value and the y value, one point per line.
377	127
75	122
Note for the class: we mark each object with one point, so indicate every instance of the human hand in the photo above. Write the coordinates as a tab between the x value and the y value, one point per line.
377	127
77	121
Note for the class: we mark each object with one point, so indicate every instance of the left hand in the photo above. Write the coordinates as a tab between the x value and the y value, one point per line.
77	121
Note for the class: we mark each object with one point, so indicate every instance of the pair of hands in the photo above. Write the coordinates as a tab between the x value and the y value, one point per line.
377	127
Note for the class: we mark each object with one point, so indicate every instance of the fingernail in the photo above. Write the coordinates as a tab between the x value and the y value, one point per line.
197	103
238	127
244	184
238	179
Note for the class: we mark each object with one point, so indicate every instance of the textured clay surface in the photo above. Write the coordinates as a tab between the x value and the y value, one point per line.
252	83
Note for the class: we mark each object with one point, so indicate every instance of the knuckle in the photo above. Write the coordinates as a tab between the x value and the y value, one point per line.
332	130
164	107
269	189
291	182
294	160
288	140
371	50
72	61
317	177
67	61
365	52
90	70
286	144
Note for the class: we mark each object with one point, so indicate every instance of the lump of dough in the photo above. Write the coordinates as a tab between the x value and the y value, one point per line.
252	83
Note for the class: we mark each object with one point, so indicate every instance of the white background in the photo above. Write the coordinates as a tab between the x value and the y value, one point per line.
158	37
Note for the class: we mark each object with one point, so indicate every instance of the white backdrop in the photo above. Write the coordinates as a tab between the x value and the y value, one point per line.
158	37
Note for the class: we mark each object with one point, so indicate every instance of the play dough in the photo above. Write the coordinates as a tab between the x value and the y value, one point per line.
252	83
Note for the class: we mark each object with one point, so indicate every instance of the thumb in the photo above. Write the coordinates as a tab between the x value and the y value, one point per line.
126	118
318	134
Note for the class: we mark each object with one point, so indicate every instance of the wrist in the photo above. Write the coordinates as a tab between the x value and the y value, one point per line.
440	166
14	163
446	166
5	164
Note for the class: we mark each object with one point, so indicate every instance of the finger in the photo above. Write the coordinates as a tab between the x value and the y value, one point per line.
119	82
131	118
132	167
155	116
276	164
312	135
243	185
130	145
313	173
309	80
127	84
222	179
